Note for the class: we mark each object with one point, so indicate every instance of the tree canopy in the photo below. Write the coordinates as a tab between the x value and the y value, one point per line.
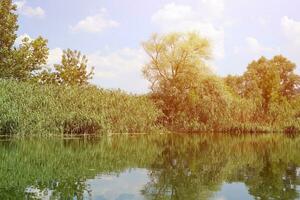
23	61
176	60
193	98
182	83
73	70
270	80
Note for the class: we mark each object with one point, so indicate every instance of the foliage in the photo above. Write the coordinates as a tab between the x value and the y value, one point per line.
193	99
176	68
20	62
271	86
274	79
72	70
176	61
8	28
29	58
34	109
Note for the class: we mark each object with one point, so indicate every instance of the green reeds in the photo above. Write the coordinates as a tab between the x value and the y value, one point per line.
27	109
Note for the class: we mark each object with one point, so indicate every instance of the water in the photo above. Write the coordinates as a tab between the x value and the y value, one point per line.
213	167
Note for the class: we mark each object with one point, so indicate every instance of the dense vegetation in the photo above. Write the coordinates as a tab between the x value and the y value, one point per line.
187	95
179	166
27	108
193	99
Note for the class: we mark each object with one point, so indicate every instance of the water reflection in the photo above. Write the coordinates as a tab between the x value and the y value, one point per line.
152	167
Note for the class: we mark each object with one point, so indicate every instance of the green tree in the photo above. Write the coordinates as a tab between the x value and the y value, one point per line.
73	70
8	24
20	62
8	28
29	58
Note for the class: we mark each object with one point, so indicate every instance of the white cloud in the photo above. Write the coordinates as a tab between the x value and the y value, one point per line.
21	38
220	198
259	49
95	23
176	17
291	29
173	12
54	56
119	69
212	8
26	10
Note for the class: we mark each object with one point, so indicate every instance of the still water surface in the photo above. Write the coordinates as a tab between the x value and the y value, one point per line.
213	167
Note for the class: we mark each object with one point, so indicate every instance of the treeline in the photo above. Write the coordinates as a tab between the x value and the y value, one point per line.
187	95
27	61
193	99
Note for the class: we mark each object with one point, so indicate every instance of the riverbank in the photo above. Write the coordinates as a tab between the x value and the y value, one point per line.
52	110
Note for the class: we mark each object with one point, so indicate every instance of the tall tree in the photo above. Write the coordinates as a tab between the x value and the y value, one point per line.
176	60
8	28
18	62
273	79
182	84
8	24
267	79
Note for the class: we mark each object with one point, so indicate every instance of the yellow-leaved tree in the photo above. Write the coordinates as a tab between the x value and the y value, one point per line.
176	60
183	86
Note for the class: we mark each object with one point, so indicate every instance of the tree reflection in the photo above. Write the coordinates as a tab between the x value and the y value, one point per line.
182	171
196	169
179	167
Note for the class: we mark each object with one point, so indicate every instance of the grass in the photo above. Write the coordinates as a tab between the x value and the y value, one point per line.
32	109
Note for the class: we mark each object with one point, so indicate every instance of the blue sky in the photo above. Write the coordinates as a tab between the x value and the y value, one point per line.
110	32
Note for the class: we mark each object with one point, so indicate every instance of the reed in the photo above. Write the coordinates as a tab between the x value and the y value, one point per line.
33	109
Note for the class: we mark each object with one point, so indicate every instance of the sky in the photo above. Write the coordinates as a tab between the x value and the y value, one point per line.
110	32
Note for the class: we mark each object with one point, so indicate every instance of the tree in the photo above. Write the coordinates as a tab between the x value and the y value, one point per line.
271	85
176	60
274	79
20	62
191	97
29	58
8	28
73	70
8	24
289	81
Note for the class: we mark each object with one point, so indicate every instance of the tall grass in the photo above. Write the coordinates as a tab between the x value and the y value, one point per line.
27	108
